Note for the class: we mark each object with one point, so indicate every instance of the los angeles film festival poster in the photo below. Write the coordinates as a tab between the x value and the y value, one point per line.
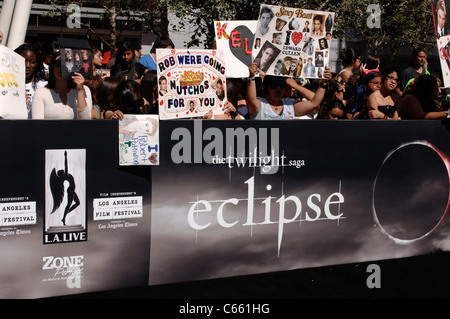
293	42
191	83
235	39
65	196
139	140
12	85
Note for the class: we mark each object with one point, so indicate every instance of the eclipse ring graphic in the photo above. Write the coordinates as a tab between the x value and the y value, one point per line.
410	195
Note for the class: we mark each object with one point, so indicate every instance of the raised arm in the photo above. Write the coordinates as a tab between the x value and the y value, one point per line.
307	94
253	103
305	107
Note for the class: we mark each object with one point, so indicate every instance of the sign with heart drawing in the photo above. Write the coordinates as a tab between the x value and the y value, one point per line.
292	42
235	39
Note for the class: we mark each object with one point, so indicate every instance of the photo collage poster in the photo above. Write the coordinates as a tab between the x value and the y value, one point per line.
191	83
235	39
442	29
139	140
292	42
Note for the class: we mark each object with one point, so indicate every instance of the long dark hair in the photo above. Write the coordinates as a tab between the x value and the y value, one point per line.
348	56
128	97
121	70
104	93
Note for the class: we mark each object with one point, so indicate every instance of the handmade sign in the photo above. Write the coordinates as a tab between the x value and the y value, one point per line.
139	140
12	85
292	42
191	83
235	39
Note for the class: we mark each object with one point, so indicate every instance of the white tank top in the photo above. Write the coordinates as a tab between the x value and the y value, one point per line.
267	113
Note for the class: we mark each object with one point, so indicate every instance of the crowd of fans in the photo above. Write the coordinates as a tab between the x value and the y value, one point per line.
363	89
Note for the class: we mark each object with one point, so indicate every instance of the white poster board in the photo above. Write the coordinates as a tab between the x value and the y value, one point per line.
444	58
293	42
12	85
191	83
235	39
139	140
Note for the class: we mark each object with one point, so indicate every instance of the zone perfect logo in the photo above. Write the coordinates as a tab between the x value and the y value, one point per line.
52	262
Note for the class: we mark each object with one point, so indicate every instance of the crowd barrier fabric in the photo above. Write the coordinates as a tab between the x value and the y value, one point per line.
299	194
228	198
104	242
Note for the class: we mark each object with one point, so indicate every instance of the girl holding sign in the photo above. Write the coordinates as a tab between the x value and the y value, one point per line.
62	98
273	106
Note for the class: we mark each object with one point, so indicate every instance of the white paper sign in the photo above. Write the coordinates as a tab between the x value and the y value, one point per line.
139	140
191	83
12	85
235	39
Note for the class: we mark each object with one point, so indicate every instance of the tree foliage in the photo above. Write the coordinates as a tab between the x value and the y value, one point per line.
117	16
402	22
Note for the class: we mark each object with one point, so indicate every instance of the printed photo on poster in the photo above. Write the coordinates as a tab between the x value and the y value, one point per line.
76	61
286	34
191	83
235	39
440	11
65	196
139	140
444	58
12	92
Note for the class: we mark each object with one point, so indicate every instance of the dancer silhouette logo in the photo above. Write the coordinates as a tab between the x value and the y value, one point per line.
65	205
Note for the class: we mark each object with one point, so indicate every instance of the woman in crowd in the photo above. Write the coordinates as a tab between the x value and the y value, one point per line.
104	97
34	71
97	62
419	102
334	109
273	106
363	87
125	66
62	98
383	103
351	59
